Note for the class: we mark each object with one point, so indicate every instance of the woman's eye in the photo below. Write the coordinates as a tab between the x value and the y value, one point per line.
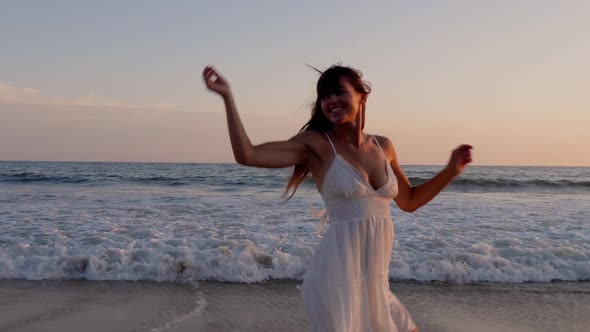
336	93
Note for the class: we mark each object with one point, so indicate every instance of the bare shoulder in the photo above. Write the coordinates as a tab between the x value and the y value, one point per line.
313	140
307	137
387	147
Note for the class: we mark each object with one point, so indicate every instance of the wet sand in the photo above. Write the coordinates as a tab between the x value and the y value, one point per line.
273	306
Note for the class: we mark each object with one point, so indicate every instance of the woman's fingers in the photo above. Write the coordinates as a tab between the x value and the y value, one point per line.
210	76
214	81
465	153
465	149
207	71
462	154
465	146
207	74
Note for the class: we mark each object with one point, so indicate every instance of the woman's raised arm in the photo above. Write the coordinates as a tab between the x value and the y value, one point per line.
270	155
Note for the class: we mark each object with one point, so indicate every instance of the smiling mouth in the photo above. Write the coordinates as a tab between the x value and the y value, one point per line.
335	110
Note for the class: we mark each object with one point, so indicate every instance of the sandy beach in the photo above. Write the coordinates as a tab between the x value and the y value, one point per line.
211	306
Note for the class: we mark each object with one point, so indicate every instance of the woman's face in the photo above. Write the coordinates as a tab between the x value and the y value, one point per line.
343	104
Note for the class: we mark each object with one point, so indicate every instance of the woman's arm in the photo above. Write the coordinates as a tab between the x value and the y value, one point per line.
270	155
410	198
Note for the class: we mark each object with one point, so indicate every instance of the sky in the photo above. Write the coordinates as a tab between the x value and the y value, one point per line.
121	80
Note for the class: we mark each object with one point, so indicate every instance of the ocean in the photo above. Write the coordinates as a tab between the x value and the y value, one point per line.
229	223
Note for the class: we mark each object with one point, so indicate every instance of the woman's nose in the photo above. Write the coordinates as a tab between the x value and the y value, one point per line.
331	98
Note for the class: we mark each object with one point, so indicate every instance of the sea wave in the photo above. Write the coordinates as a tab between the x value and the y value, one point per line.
469	183
114	179
231	261
276	181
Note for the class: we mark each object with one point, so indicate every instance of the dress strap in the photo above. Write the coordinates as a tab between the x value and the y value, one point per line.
332	144
375	139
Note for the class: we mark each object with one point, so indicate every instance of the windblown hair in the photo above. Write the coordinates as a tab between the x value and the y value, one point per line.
328	83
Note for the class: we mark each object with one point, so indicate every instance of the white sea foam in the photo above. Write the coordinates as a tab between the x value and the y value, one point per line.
238	262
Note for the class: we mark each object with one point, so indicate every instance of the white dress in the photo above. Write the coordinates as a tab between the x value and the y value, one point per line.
346	284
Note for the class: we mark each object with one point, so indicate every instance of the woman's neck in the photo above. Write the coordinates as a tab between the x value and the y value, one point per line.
350	134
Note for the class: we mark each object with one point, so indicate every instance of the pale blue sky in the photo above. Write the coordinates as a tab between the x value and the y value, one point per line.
495	74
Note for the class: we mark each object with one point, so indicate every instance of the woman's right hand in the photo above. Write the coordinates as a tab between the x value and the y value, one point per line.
216	82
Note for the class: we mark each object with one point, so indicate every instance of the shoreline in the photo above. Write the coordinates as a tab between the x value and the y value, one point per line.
60	305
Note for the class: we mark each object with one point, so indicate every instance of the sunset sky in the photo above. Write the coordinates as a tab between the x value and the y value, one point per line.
120	80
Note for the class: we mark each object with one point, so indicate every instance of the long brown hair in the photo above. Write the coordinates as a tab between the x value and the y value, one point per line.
328	83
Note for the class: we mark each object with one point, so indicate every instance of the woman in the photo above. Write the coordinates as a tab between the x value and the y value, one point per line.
346	284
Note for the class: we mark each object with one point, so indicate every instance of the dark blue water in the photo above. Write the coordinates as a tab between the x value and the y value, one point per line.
482	178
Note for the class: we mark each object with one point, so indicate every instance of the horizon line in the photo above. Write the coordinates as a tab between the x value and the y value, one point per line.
218	162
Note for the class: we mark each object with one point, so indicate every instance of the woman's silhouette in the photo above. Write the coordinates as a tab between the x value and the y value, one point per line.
346	284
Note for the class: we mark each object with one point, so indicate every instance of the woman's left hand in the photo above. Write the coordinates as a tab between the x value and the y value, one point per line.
460	157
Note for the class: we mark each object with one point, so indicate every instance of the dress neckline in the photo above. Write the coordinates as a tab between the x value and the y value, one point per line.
357	173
